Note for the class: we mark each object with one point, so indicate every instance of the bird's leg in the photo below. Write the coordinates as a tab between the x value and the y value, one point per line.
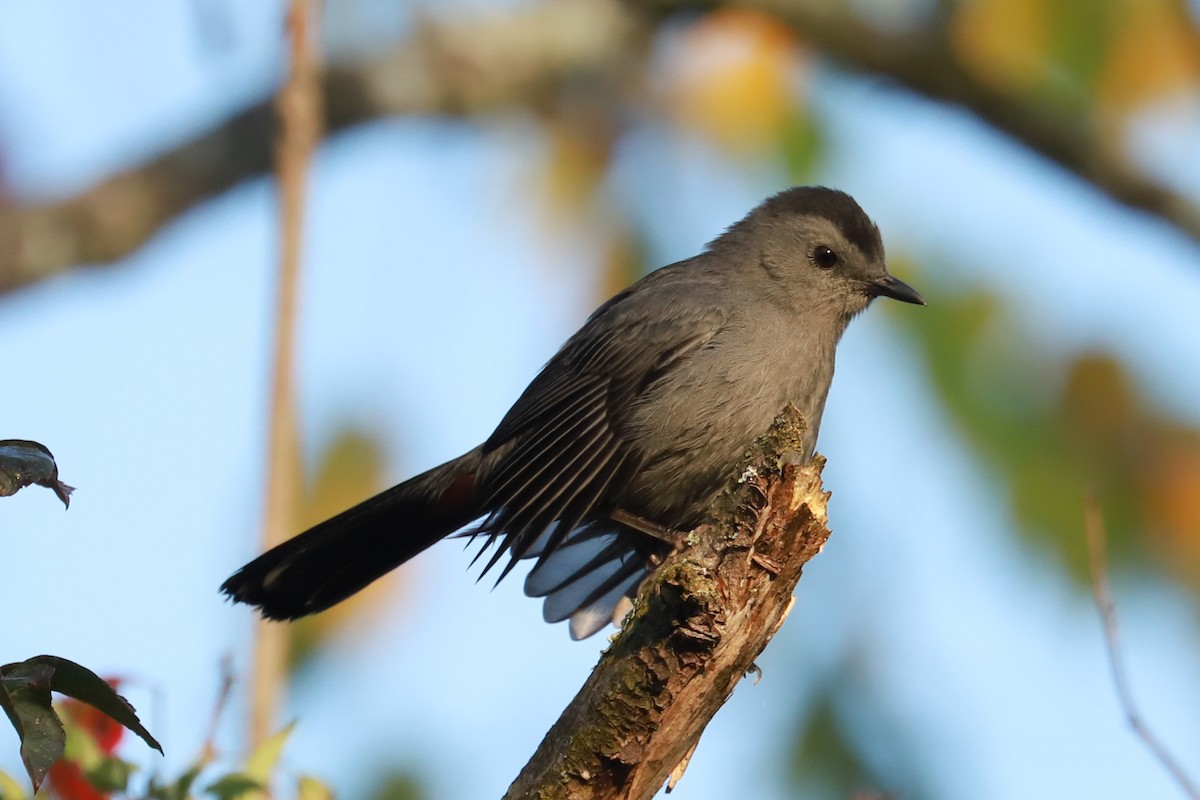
648	527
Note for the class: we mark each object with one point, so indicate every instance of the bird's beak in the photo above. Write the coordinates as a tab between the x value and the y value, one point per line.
887	286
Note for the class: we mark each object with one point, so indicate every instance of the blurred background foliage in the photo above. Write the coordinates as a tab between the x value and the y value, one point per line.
1074	80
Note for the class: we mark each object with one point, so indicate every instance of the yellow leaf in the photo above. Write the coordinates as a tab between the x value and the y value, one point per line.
733	77
348	472
313	789
262	761
576	159
1003	42
10	789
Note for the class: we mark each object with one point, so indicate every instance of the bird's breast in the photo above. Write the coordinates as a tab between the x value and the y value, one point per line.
693	426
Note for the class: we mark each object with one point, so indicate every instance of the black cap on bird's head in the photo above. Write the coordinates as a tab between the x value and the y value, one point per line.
821	243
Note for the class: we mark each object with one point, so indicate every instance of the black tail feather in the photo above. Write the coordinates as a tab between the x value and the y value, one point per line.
333	560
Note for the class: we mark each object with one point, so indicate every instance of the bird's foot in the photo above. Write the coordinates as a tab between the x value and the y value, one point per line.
649	527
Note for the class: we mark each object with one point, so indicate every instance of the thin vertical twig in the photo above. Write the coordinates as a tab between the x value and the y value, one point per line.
299	107
208	751
1098	563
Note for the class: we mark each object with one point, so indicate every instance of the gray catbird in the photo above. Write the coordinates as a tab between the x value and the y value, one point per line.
630	429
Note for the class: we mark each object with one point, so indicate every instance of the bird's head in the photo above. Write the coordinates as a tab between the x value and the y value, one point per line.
821	251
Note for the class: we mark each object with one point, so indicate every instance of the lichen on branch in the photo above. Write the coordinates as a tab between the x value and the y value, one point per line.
697	626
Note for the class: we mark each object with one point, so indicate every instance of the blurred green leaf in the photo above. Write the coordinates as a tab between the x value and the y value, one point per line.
802	145
111	775
79	682
26	690
234	785
1054	426
23	463
847	746
822	755
1080	34
178	789
398	786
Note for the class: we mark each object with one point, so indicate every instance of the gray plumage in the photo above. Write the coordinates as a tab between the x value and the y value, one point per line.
644	411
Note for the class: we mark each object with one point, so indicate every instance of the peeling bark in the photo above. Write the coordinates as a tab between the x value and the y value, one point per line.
698	624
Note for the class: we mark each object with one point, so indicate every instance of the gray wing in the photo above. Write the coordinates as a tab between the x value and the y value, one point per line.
560	451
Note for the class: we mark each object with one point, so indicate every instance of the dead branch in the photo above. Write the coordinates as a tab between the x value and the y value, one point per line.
695	631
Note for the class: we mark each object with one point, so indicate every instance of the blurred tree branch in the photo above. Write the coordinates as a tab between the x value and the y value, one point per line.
454	68
299	109
526	58
922	61
697	626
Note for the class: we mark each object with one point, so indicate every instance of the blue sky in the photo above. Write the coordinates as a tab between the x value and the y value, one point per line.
432	293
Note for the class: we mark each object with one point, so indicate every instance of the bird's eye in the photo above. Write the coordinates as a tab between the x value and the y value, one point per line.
823	257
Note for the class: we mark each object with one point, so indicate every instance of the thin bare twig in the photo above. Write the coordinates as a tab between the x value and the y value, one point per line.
299	109
208	751
1098	563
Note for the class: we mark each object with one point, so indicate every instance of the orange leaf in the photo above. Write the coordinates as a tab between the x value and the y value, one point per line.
1173	502
1155	53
